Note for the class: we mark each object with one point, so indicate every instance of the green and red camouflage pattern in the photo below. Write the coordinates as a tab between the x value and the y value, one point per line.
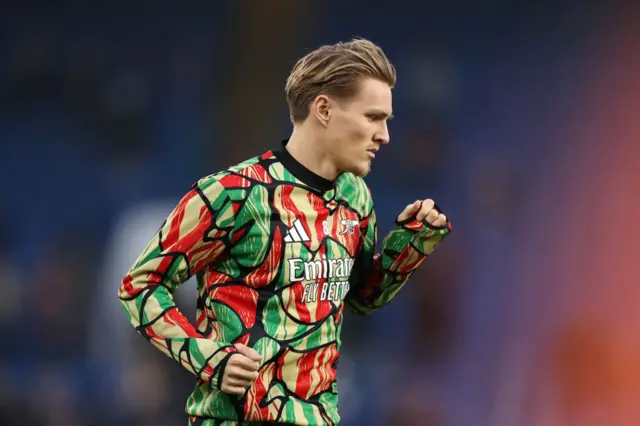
270	283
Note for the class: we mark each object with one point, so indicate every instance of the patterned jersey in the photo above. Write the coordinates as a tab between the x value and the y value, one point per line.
278	252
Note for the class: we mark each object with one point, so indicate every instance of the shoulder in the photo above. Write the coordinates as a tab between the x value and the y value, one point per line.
236	181
257	162
211	190
355	191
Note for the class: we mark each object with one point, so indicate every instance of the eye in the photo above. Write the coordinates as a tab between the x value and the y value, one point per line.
376	117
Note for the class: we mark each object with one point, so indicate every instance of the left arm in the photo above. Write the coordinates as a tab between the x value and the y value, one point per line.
377	277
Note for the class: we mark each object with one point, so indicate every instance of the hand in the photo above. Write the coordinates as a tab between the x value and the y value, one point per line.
424	211
241	370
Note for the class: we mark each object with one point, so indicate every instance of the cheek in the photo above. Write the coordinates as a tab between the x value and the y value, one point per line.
359	130
350	135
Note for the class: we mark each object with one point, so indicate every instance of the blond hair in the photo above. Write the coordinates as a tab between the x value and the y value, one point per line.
335	70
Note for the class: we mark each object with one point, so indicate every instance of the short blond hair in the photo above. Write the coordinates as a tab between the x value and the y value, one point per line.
335	70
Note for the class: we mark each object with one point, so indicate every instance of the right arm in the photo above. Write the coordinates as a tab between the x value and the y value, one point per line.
195	234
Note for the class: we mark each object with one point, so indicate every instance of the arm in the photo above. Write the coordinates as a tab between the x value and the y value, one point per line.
195	234
377	277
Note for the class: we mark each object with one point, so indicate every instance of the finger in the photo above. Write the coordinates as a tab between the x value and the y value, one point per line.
440	221
248	352
243	362
428	215
428	204
426	207
240	383
234	390
409	211
431	216
241	374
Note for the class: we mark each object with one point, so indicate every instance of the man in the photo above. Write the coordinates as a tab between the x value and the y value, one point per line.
279	244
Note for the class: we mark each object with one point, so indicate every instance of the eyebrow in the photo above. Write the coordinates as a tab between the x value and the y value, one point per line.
381	113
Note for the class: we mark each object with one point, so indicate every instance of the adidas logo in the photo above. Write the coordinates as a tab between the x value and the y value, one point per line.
296	234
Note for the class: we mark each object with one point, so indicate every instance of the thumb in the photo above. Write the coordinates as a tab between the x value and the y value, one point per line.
410	210
248	352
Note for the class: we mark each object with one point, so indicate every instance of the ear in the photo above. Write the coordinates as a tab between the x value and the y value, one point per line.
321	109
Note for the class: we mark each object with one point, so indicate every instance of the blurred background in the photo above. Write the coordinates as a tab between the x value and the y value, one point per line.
519	118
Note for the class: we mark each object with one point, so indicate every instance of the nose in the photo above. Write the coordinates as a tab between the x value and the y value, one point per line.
382	135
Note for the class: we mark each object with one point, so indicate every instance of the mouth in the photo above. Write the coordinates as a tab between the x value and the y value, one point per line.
372	152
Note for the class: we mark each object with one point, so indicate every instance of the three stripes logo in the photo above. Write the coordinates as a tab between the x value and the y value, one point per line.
296	234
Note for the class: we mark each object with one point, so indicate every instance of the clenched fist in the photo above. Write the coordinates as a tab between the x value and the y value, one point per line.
424	211
241	370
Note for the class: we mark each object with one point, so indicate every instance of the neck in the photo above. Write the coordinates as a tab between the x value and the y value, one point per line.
309	150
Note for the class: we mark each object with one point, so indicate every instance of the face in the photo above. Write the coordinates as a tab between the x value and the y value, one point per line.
356	128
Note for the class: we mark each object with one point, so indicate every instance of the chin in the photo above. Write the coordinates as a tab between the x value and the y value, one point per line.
361	170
